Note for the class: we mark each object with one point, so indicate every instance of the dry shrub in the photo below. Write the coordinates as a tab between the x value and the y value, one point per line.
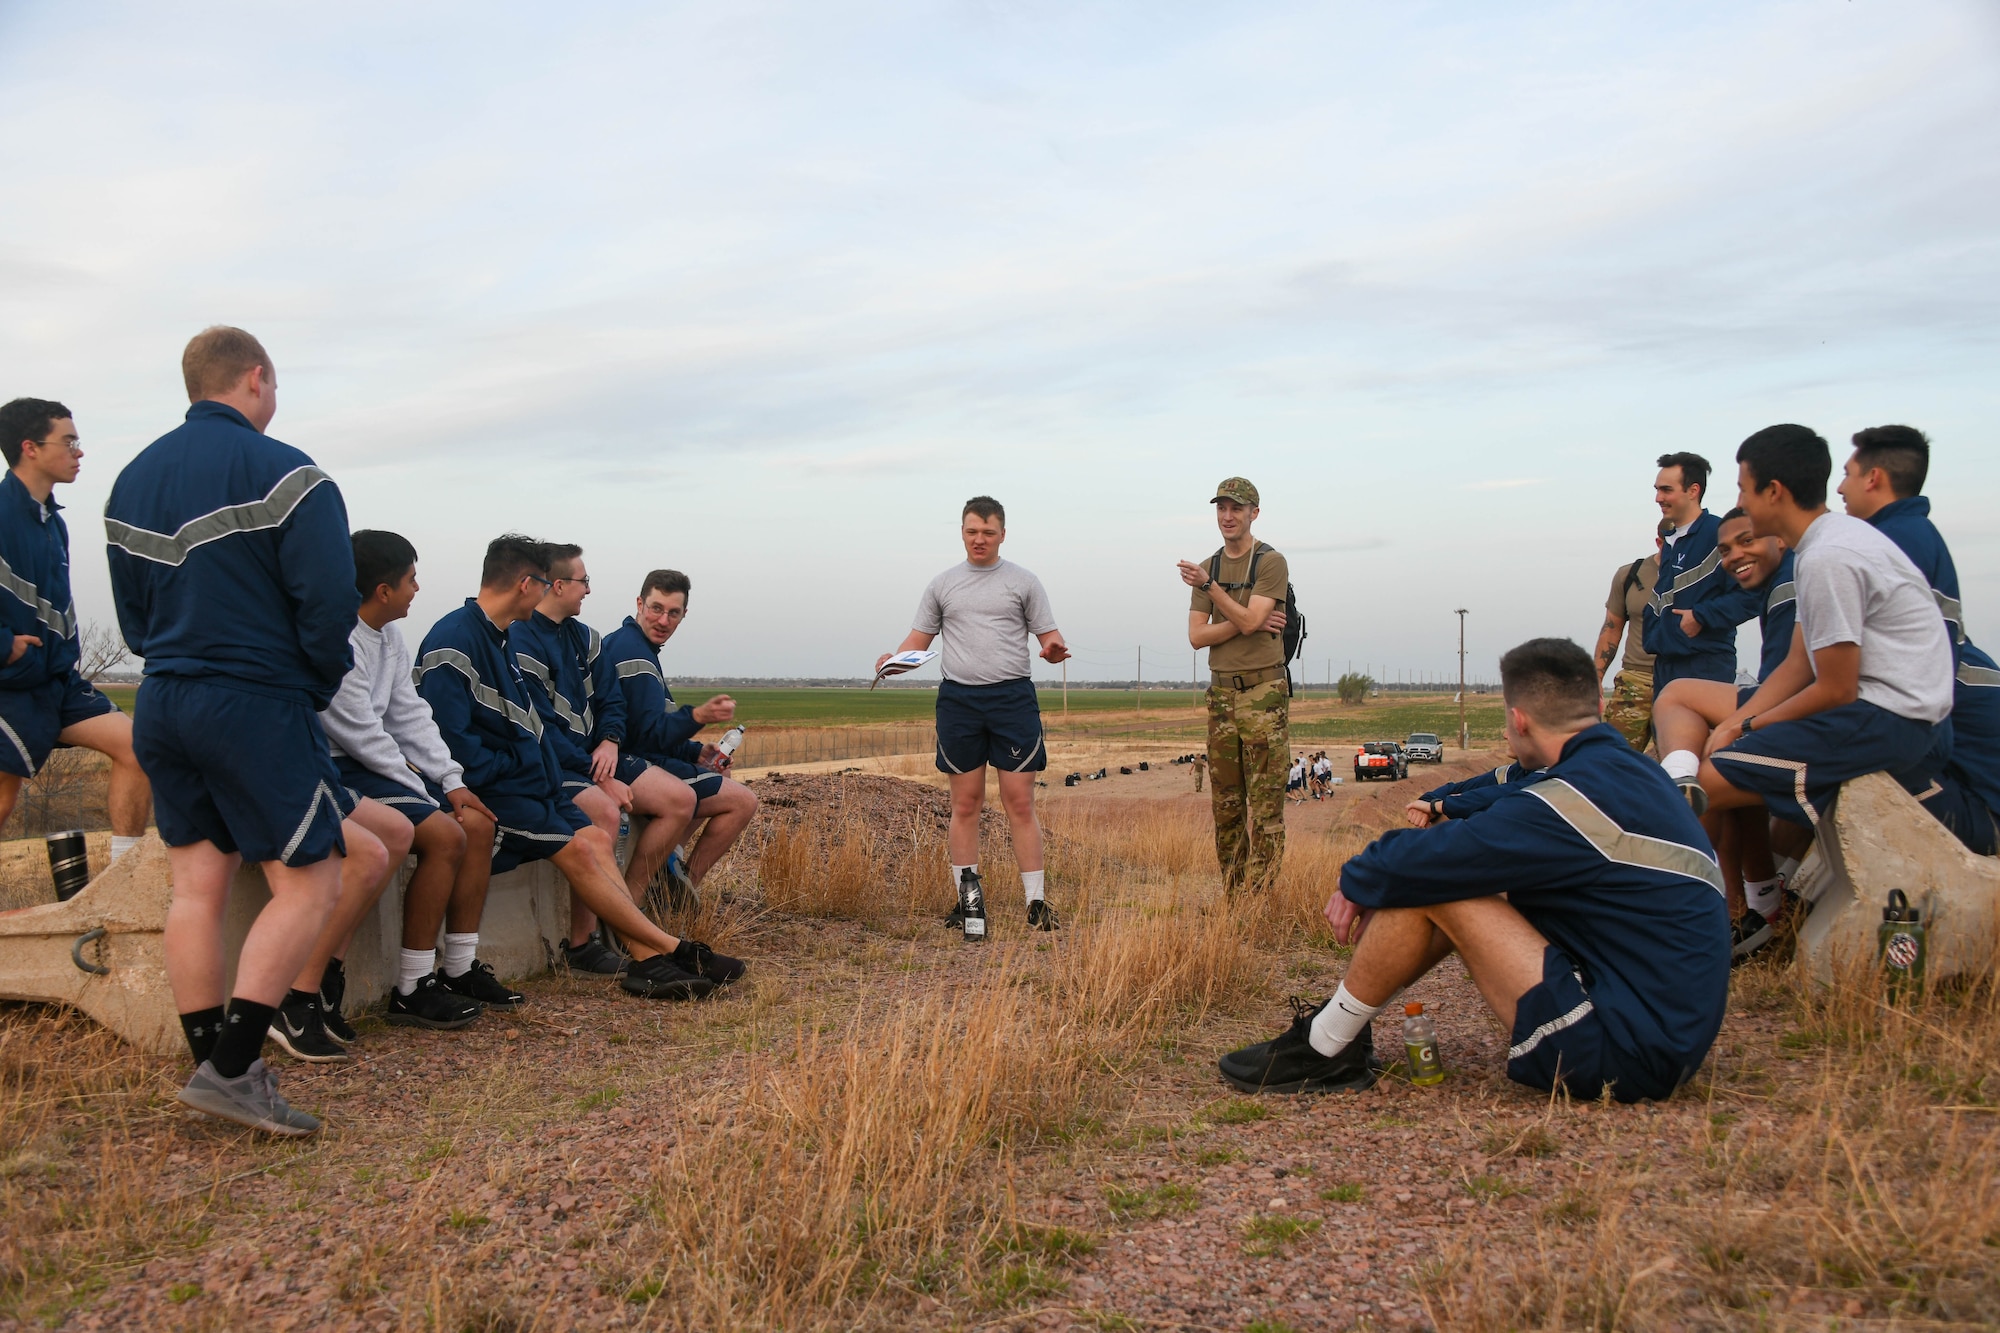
866	1163
1127	972
1099	838
826	867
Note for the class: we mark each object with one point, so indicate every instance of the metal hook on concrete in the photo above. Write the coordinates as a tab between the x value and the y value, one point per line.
76	951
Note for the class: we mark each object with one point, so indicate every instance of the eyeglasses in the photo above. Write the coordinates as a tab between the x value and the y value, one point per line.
585	581
546	583
74	446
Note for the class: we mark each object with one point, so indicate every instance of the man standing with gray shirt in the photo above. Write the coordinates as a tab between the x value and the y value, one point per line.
987	710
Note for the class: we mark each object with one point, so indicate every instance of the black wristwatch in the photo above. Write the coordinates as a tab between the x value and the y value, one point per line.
1206	586
1749	724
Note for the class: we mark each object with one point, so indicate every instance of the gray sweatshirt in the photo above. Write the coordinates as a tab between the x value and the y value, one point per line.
378	719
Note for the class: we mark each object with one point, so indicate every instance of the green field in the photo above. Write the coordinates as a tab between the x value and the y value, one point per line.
1379	720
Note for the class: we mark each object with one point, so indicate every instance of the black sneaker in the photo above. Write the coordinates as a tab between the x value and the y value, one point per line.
661	978
1748	934
955	918
592	957
478	983
697	958
1289	1064
333	990
1041	916
298	1028
1697	798
430	1005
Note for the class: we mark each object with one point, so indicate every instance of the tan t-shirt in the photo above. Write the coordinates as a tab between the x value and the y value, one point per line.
1246	652
1628	599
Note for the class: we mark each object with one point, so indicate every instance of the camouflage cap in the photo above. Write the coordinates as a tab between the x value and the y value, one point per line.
1238	489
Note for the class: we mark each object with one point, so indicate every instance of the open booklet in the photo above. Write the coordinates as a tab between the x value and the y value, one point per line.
901	662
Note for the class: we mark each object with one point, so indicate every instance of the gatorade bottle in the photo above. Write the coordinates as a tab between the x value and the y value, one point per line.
1421	1041
1899	944
972	904
730	740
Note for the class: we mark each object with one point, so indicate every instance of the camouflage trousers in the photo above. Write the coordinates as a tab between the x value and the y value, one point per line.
1200	767
1630	707
1249	753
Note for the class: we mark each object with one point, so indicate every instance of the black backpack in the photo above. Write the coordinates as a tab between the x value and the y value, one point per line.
1295	623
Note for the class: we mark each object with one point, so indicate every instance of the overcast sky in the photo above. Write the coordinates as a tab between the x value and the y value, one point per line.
763	292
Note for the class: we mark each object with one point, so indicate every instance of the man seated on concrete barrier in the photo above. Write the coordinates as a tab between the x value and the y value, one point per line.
233	579
663	733
576	691
467	673
44	703
1587	906
388	749
1688	710
1884	484
1691	619
1868	679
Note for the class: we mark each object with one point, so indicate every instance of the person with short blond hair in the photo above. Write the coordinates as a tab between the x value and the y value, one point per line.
219	356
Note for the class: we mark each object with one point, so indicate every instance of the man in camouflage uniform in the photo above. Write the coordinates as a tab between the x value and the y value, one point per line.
1200	767
1237	612
1630	707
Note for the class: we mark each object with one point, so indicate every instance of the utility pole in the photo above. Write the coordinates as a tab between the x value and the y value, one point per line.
1462	736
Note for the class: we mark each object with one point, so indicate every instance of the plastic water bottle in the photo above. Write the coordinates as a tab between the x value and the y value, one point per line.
1420	1039
730	740
972	902
1899	944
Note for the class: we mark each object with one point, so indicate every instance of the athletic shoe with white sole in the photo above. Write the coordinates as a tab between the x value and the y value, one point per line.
661	978
301	1033
1289	1064
478	983
1041	916
251	1099
332	991
430	1005
1697	798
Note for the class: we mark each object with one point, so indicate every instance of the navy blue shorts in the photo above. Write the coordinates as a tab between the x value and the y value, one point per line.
706	782
1954	803
531	828
32	719
1798	766
999	725
247	772
413	806
1667	670
630	768
1559	1037
1743	693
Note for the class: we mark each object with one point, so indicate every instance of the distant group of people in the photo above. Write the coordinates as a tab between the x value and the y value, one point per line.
1311	778
283	720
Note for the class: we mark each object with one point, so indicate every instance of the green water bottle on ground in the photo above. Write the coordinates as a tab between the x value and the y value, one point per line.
1899	945
1421	1041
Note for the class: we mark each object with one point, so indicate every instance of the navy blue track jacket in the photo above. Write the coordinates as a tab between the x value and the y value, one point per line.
655	728
1603	858
1692	579
1461	800
574	687
34	589
1778	619
465	671
230	560
1975	706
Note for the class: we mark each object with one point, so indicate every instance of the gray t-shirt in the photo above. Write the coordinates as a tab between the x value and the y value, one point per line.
985	615
1857	586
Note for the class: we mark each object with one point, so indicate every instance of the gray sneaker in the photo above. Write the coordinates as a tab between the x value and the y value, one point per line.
253	1100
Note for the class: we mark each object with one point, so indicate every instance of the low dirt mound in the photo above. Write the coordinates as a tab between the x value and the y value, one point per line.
885	806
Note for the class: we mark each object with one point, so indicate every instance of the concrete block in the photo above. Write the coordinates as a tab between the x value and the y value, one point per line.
1877	839
527	913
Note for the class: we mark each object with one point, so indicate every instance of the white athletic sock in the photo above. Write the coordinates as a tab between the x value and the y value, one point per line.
1031	881
957	871
1786	866
120	846
1340	1022
458	953
416	965
1762	896
1682	764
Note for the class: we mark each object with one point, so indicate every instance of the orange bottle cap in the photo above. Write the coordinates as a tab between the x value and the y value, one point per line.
1413	1009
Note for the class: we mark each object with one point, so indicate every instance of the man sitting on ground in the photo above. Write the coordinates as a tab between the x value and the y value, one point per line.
1587	906
1884	484
663	733
467	673
1869	676
44	703
1688	710
387	747
583	714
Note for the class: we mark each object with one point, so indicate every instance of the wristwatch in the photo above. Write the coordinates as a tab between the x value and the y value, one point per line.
1206	586
1750	724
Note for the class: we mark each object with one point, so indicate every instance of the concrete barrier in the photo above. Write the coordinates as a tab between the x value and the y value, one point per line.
48	953
1877	839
